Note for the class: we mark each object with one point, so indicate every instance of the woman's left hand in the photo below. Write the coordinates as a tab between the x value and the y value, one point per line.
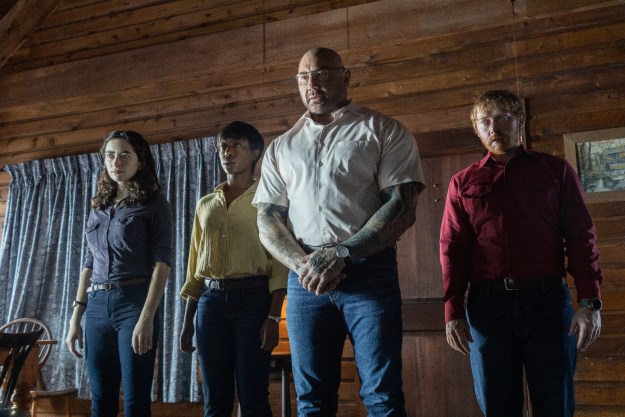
142	337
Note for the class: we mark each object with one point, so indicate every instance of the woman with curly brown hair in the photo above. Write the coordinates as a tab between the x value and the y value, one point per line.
127	263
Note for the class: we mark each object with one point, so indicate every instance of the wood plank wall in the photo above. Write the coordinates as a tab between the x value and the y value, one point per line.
179	69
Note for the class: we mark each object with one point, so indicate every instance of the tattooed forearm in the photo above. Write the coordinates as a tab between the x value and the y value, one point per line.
276	236
387	224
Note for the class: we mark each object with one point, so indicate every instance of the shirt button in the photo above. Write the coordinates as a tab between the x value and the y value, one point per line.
320	163
319	208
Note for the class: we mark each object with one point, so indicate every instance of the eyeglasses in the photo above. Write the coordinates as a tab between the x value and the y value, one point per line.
319	75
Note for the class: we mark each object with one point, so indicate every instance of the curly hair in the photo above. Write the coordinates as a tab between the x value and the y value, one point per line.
143	184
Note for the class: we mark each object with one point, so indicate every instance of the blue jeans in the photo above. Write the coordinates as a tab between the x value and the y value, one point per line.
110	319
366	307
516	330
228	327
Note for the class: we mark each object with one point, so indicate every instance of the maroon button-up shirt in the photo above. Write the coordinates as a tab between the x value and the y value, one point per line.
519	219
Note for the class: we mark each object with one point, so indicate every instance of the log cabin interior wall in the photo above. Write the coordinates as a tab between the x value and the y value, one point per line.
72	70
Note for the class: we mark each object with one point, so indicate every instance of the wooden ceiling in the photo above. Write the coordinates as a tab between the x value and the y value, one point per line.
73	70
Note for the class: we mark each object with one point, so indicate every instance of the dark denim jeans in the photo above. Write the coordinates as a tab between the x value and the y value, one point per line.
228	342
366	307
110	319
513	330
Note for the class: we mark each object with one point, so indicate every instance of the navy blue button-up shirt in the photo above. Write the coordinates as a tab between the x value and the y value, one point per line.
125	243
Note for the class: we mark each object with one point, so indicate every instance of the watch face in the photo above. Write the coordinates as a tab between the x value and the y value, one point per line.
596	304
341	251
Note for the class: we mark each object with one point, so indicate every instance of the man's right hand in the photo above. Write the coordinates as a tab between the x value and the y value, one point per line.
322	271
459	335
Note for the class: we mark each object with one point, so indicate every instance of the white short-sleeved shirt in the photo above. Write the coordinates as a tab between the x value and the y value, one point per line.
330	176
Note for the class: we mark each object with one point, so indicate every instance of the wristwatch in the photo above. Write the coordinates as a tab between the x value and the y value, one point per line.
591	303
274	318
79	303
343	253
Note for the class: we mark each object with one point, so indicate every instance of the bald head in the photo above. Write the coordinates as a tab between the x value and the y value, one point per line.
328	55
324	89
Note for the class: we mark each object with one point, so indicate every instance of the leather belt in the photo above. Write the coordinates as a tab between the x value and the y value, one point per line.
518	284
111	285
253	281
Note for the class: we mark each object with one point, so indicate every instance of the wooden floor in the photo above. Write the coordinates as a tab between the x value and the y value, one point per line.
81	408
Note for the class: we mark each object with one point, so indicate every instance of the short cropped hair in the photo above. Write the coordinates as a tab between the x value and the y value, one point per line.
241	130
501	99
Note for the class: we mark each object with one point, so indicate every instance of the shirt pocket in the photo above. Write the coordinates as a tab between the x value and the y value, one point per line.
355	159
475	198
129	232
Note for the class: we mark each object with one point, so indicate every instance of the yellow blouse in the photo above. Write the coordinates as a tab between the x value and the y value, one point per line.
225	244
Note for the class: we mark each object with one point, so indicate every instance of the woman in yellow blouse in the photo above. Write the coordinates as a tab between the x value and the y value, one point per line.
233	284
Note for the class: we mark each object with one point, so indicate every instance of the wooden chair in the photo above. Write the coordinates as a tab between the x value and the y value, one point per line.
45	340
17	347
25	325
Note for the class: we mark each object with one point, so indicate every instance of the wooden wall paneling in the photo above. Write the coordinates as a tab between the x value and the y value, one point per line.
212	87
428	362
17	24
610	228
179	109
135	29
614	253
416	123
158	24
449	142
328	29
418	249
63	143
135	68
611	209
5	6
540	7
398	20
437	380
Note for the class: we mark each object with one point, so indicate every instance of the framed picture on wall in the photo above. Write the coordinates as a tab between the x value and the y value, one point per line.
599	158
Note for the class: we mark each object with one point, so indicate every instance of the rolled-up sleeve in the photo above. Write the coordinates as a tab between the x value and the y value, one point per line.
162	232
279	275
271	187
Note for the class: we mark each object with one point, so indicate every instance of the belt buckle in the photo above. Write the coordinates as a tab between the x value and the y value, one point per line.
217	284
511	284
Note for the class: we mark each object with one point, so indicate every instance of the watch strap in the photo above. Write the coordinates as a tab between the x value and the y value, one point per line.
274	318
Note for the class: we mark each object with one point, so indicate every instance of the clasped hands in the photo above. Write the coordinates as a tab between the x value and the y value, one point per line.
321	271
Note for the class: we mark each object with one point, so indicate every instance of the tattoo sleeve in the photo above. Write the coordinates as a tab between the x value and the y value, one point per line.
387	224
276	236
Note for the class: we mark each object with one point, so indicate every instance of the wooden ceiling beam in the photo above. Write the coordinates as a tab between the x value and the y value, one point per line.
19	22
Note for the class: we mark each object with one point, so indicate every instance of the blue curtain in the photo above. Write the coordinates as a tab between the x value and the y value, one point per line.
43	247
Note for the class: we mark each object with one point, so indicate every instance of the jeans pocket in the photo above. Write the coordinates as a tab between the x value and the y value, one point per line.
560	294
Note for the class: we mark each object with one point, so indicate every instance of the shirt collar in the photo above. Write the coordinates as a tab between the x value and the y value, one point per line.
349	107
488	159
250	190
